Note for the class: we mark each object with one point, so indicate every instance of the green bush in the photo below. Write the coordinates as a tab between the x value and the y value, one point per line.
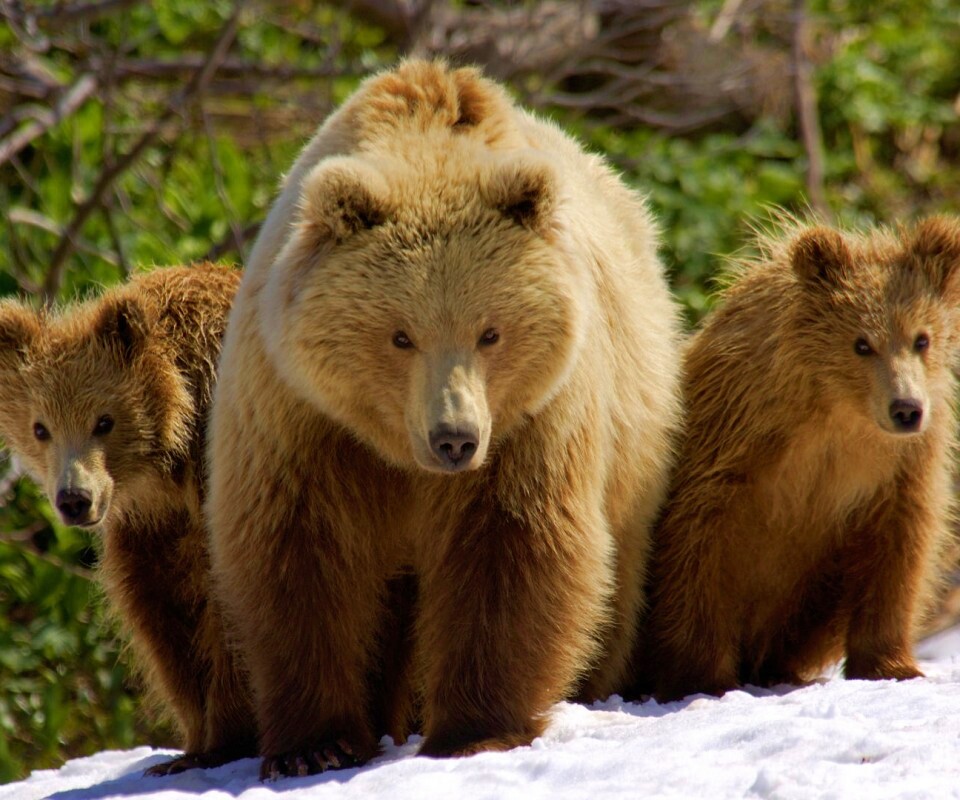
887	77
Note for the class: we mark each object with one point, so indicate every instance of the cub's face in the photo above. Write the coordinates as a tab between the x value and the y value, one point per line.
87	420
891	313
430	325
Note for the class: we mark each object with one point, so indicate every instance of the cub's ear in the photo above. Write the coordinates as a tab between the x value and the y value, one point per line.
524	190
19	326
341	197
820	255
123	325
936	246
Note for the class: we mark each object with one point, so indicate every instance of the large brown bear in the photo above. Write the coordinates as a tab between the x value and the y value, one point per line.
106	403
453	352
812	499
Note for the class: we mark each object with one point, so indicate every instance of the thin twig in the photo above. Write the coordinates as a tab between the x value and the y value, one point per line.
69	102
809	120
66	245
176	68
115	240
26	216
228	208
65	13
231	244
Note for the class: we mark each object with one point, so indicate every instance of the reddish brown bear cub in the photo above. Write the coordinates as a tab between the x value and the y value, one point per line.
106	402
454	353
812	499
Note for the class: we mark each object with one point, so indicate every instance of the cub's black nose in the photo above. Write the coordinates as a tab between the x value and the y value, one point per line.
454	446
906	414
74	505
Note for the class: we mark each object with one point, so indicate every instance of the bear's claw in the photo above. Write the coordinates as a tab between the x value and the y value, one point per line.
214	758
310	761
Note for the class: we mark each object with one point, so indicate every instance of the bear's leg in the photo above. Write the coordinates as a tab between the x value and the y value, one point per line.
886	566
808	635
229	726
393	684
692	637
620	637
510	610
150	587
304	605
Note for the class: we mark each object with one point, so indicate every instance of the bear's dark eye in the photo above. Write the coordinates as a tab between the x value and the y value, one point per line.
401	340
921	343
40	431
490	336
862	347
104	425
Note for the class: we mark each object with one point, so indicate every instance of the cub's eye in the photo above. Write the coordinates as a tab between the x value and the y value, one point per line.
490	336
40	431
104	425
401	340
862	347
921	343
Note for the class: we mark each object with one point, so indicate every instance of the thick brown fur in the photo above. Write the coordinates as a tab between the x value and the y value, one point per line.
802	525
430	205
144	356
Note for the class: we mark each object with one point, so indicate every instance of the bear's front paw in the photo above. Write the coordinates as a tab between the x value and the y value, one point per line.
212	758
439	746
879	669
331	754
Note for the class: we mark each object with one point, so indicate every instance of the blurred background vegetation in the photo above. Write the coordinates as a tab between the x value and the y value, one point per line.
137	133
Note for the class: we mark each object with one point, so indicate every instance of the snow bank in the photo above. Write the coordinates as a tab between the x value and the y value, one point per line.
833	739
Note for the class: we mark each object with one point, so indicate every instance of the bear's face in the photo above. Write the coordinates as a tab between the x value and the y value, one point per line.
93	415
883	321
429	322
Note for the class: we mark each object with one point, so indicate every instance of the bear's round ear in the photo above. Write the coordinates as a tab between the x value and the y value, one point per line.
19	326
820	255
935	243
524	190
122	325
341	197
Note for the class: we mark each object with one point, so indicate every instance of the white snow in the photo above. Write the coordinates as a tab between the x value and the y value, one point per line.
832	739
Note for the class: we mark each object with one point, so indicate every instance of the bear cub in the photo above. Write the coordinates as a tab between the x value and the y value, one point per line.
106	402
811	506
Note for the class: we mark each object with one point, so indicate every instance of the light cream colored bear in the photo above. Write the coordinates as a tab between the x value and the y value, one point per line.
454	353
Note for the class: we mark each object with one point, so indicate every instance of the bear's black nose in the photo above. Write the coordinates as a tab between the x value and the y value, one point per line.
74	505
906	415
454	446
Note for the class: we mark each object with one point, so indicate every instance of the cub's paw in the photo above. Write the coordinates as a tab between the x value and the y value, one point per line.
213	758
439	746
331	754
881	669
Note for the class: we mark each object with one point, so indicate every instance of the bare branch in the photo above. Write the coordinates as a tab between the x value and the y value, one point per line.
69	102
26	216
175	69
66	245
231	245
807	115
65	13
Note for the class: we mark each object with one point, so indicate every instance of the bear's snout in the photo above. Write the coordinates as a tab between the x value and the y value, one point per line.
74	505
907	415
454	447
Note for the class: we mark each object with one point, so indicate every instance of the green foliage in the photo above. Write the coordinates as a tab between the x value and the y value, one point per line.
65	688
887	77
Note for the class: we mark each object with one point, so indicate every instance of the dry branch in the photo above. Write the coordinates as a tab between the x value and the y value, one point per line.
69	102
66	245
807	115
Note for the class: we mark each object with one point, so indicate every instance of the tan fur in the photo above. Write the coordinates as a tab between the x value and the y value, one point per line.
429	204
145	355
800	526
